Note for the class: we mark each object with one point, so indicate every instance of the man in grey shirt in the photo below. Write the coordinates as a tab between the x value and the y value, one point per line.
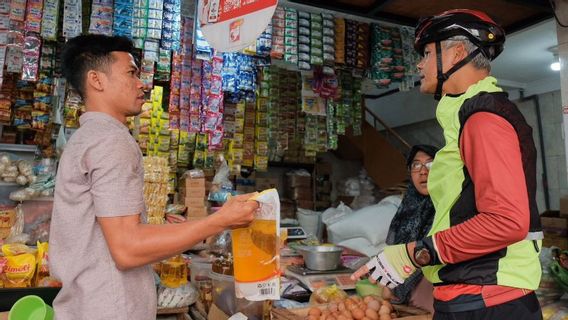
100	245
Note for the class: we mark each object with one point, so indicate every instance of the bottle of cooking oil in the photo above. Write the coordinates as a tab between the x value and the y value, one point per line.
256	252
173	272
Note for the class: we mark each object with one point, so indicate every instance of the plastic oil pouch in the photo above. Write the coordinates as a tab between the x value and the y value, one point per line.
42	261
256	251
19	271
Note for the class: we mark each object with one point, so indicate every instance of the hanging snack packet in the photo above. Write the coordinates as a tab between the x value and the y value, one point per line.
256	252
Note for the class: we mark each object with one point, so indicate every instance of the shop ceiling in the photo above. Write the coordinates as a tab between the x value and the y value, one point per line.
513	15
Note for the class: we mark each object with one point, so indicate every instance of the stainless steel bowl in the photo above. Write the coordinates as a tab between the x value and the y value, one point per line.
321	258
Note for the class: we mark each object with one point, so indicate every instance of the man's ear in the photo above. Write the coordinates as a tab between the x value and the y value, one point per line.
459	53
95	80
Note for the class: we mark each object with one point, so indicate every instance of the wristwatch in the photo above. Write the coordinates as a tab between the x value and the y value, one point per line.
422	254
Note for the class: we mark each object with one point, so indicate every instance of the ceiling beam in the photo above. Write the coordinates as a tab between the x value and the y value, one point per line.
337	7
523	24
379	4
396	19
543	4
360	12
511	84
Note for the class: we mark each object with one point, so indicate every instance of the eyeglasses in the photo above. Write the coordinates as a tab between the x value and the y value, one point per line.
416	166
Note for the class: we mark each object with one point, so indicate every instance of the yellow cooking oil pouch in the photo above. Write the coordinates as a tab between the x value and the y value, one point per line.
19	271
14	249
256	251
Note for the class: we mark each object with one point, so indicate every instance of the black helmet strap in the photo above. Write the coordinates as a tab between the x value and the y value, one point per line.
442	77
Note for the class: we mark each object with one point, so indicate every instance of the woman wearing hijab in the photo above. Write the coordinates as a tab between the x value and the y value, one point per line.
412	221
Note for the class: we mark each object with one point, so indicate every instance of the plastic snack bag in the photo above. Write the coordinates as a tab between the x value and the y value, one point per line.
256	252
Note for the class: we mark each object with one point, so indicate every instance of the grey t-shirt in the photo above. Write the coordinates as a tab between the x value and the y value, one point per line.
100	174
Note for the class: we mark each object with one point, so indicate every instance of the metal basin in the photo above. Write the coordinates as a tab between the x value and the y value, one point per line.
321	258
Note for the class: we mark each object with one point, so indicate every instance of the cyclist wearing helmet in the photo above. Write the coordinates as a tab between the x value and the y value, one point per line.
482	251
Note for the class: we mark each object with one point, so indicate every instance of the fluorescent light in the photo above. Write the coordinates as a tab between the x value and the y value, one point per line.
555	66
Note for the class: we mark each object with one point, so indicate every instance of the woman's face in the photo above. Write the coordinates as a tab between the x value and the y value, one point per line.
419	169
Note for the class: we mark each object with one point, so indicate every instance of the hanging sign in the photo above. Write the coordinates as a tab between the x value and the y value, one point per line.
232	25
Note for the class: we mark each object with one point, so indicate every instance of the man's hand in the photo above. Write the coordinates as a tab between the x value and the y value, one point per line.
238	211
390	268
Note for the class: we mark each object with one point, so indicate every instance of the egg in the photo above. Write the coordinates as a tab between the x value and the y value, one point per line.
387	294
315	311
358	313
384	310
312	317
374	304
368	299
385	317
347	314
371	314
341	306
353	306
332	307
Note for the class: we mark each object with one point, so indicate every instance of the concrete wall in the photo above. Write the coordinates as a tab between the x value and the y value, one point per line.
429	132
554	152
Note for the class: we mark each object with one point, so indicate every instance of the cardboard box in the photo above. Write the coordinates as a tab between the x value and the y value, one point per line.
553	240
301	194
195	183
323	197
404	313
304	204
194	193
192	219
564	206
322	205
323	168
194	202
196	212
246	189
266	183
324	187
553	223
295	181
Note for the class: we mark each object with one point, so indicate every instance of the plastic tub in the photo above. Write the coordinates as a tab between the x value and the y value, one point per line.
199	271
224	292
224	298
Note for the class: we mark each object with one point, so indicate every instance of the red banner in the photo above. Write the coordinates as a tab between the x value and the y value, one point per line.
215	11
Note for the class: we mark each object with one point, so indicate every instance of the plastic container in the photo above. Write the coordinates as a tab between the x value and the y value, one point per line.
199	271
224	298
31	308
224	292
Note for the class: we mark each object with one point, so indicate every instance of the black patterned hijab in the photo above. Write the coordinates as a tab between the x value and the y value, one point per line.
411	222
415	215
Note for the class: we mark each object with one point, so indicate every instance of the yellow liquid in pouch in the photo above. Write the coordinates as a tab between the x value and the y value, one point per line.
173	272
254	251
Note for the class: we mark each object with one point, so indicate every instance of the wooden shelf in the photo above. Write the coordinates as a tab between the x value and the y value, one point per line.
180	313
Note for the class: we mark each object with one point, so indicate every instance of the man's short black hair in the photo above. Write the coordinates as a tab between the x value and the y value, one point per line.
90	52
